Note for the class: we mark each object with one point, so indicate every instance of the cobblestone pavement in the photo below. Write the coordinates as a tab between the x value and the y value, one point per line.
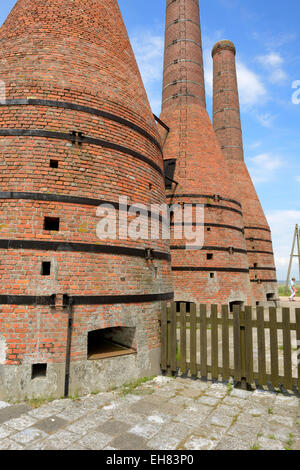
162	414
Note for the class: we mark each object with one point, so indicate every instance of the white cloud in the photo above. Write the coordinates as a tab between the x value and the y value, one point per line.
251	88
272	59
265	119
263	167
282	224
149	53
208	71
273	63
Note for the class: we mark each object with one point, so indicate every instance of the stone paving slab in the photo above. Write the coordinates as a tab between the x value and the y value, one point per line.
161	414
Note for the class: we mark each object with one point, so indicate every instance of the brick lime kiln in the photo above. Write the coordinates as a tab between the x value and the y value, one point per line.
76	130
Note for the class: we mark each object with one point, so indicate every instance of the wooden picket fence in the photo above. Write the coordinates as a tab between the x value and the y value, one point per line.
253	346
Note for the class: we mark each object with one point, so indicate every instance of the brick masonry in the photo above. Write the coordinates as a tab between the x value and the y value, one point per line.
227	125
75	53
200	173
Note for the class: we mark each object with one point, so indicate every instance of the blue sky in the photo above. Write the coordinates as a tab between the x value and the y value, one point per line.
268	56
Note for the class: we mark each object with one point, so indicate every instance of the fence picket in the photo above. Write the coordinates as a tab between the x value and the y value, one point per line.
173	338
225	342
193	341
261	343
203	340
237	343
287	349
164	338
249	345
214	342
183	338
274	347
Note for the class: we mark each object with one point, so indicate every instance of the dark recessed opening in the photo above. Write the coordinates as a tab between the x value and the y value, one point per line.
257	304
255	265
46	268
212	275
209	256
270	296
238	303
110	342
150	186
187	306
38	370
53	163
208	229
51	223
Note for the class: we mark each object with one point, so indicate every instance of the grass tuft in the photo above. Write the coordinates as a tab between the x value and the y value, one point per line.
130	387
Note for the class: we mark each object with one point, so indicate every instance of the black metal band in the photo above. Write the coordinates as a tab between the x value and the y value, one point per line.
261	252
194	224
182	95
85	300
258	240
83	109
211	269
177	61
80	248
258	228
83	139
262	269
43	197
203	196
176	41
179	20
175	82
214	206
210	248
263	280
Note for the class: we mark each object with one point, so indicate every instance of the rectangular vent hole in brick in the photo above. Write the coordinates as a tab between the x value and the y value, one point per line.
111	342
53	163
51	224
46	268
212	275
209	256
38	370
270	296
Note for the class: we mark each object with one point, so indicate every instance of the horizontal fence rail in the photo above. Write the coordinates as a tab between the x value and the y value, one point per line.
251	345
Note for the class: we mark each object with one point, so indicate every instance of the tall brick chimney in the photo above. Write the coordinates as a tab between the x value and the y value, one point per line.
76	130
218	272
227	125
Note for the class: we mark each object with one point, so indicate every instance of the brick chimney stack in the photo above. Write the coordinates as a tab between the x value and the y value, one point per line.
218	272
183	60
227	126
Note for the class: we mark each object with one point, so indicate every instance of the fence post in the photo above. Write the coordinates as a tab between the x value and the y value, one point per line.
243	350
